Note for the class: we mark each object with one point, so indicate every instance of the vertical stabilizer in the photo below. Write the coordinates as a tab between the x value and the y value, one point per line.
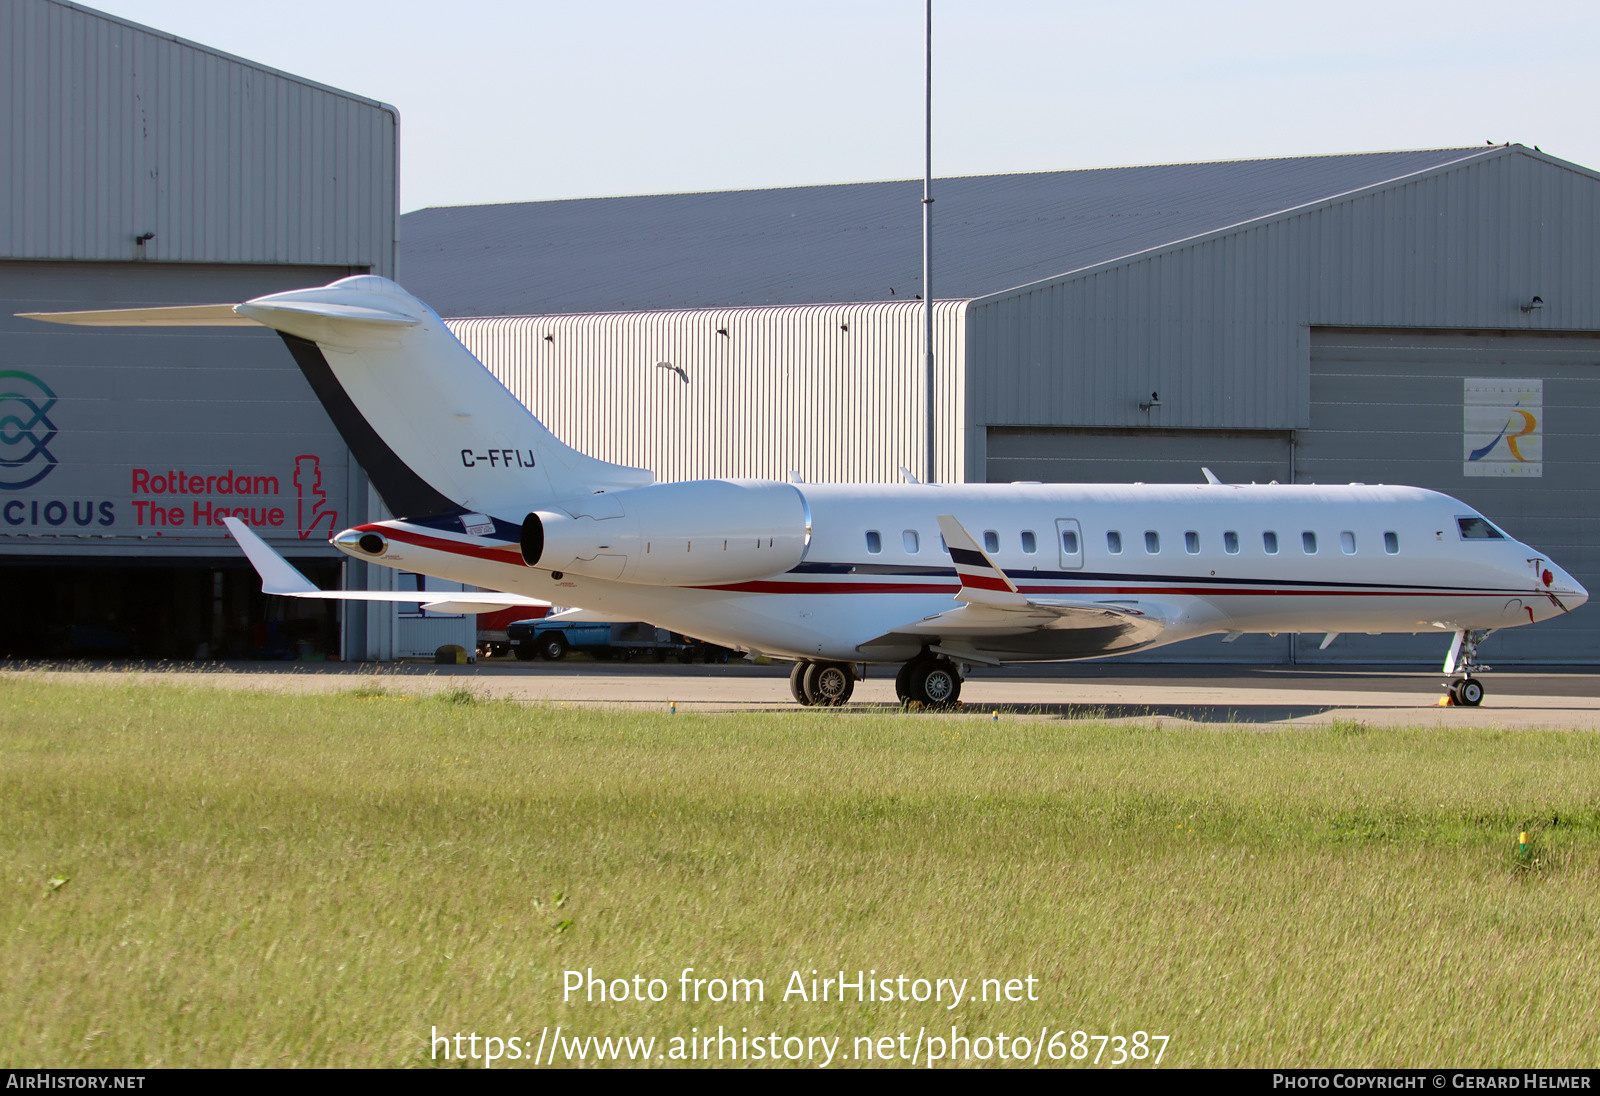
434	429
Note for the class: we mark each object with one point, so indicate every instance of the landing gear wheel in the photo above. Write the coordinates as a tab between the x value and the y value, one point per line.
902	683
828	683
552	648
934	682
1467	692
797	688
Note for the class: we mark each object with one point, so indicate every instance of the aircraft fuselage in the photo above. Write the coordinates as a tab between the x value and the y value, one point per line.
1215	559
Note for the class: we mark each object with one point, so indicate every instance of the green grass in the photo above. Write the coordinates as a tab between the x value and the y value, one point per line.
322	881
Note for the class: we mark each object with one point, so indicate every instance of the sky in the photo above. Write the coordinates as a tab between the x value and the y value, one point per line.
522	100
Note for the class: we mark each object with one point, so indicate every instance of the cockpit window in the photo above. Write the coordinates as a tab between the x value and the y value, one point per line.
1478	529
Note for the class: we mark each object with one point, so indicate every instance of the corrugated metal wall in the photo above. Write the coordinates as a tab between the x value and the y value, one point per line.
1219	325
109	130
1388	405
830	391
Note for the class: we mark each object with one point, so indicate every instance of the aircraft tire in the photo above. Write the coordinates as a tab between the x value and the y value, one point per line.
797	688
1469	693
936	683
902	683
828	684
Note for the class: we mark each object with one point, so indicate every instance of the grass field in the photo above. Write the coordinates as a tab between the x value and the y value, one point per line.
198	877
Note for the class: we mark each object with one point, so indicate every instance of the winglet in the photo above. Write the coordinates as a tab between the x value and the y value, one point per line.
982	580
278	575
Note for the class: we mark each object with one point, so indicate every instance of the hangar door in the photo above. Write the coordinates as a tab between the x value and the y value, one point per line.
1413	407
1053	454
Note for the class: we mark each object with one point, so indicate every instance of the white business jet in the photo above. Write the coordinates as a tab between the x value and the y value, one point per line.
937	578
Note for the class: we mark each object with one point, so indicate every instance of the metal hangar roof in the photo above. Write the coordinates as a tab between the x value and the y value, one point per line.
850	242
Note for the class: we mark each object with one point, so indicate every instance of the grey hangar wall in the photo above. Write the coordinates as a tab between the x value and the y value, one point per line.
1329	344
140	169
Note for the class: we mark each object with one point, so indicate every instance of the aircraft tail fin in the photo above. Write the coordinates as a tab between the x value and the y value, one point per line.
433	428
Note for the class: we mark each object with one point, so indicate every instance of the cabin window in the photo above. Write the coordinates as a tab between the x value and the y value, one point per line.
1391	543
991	541
1230	542
1152	541
1191	542
1347	543
1269	543
909	539
1478	529
1308	541
1029	545
1069	542
1114	543
874	541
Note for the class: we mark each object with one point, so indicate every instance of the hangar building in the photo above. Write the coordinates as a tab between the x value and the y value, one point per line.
1426	317
138	169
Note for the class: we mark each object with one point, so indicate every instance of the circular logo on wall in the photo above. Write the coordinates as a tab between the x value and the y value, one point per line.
25	429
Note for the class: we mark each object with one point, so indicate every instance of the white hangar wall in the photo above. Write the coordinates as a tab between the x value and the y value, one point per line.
833	392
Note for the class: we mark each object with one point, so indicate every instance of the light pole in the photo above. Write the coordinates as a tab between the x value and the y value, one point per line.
928	391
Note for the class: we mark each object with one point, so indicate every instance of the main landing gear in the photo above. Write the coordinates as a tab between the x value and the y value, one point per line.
1466	690
826	684
929	679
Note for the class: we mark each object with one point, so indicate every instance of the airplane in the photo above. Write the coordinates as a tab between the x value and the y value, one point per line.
936	578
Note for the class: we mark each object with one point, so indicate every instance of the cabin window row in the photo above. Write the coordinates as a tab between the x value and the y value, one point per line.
1270	543
911	541
1028	540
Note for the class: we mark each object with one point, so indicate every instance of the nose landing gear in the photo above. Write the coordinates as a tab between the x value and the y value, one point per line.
1466	690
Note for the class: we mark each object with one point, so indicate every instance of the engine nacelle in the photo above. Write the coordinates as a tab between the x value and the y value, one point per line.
673	534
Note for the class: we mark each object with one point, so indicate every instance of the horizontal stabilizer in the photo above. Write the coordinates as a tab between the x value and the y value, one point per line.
188	315
279	576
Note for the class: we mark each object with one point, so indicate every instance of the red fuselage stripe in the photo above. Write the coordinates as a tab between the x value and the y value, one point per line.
507	554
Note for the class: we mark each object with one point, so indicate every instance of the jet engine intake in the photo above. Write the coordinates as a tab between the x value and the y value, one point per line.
673	534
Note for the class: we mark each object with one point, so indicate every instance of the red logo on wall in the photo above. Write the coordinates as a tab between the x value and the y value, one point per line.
312	500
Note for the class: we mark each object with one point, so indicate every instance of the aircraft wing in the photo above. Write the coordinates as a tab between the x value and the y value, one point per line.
994	614
279	576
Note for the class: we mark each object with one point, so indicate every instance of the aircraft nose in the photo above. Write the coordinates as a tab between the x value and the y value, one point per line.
1568	590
